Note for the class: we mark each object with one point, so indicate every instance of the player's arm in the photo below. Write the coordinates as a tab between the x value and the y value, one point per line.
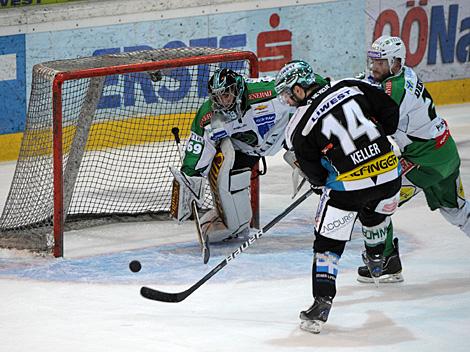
200	149
188	183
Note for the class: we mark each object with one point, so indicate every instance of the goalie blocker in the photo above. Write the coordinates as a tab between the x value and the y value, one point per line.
230	190
185	190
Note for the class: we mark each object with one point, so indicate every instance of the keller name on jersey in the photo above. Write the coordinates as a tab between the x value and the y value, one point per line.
365	153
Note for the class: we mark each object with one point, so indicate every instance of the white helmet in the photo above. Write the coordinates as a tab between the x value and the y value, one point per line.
387	47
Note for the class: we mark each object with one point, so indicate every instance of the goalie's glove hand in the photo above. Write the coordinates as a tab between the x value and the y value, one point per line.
186	190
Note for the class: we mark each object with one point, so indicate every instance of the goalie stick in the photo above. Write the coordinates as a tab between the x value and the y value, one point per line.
203	240
162	296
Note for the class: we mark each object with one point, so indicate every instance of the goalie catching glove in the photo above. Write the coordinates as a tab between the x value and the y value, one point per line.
186	190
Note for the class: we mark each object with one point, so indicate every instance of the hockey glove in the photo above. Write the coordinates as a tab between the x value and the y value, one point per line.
186	190
298	177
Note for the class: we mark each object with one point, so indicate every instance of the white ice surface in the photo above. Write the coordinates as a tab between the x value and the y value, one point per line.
89	301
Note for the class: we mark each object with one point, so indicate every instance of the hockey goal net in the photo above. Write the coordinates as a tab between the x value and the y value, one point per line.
98	141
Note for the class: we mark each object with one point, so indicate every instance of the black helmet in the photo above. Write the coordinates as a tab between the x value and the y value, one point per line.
225	81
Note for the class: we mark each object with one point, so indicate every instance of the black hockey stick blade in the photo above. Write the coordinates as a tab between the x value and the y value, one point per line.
156	295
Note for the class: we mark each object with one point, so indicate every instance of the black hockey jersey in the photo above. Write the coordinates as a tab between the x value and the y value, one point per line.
340	136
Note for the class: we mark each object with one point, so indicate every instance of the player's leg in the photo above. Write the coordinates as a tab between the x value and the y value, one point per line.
449	196
231	195
440	180
377	229
408	191
333	228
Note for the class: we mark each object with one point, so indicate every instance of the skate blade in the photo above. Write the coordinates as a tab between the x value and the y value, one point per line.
384	279
313	326
376	281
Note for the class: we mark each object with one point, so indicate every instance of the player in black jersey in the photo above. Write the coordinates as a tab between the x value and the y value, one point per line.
339	137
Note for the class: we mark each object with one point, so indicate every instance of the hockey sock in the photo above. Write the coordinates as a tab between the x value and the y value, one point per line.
327	253
375	237
389	241
324	272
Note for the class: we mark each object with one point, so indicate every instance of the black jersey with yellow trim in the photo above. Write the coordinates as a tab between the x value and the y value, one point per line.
341	128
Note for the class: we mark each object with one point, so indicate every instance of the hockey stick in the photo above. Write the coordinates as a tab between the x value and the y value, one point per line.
161	296
204	243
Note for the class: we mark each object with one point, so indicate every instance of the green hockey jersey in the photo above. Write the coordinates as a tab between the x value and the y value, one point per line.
422	135
259	132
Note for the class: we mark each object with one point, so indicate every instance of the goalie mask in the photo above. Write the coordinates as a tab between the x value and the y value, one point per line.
388	48
296	72
226	88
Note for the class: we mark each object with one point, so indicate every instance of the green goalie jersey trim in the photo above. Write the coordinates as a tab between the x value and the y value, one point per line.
256	91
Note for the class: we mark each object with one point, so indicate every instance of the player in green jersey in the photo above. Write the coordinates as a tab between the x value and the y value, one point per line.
426	146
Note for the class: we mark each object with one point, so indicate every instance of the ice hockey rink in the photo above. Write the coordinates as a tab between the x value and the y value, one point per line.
89	300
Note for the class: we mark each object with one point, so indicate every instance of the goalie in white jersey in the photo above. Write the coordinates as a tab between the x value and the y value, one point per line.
425	143
239	123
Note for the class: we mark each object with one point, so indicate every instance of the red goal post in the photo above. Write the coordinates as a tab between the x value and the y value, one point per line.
111	144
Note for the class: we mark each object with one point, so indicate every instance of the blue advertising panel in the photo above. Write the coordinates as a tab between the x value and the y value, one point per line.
276	35
332	36
12	84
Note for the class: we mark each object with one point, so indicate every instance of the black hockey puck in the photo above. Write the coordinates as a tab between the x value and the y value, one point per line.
135	266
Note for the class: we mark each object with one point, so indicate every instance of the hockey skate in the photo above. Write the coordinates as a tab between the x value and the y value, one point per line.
391	271
374	263
312	319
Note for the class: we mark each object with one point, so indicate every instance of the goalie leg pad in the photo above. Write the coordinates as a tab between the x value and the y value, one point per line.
231	193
